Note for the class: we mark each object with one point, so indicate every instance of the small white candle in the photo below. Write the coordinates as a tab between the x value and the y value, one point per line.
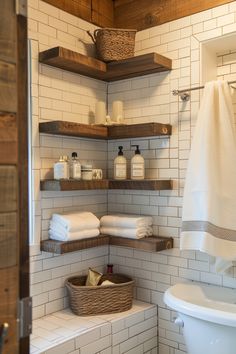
100	112
117	112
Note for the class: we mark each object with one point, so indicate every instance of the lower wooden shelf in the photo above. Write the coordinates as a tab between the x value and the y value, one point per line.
152	243
69	185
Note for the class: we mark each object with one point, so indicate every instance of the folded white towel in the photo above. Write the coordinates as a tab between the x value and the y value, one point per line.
58	228
76	221
126	221
72	236
129	233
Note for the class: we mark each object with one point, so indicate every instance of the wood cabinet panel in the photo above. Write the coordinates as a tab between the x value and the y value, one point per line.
8	139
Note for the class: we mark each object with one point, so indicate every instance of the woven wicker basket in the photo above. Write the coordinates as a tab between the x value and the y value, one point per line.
113	43
92	300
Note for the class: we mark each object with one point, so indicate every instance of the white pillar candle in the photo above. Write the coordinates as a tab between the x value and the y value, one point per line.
100	112
117	112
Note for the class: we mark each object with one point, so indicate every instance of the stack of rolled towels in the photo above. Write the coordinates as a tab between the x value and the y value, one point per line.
74	226
130	226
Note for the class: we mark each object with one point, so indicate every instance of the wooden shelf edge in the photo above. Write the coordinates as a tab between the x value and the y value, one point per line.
105	132
61	247
152	244
73	185
139	65
145	184
78	130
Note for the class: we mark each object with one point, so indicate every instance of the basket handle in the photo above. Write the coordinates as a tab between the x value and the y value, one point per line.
94	35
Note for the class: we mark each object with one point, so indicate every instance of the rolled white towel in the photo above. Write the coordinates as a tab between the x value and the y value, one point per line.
72	236
126	221
76	221
128	233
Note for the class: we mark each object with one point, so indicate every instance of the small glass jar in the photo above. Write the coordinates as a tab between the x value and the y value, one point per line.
87	172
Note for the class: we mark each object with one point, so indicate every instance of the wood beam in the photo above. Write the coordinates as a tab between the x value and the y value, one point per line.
141	14
98	12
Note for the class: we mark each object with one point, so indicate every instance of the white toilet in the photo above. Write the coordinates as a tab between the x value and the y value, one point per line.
208	317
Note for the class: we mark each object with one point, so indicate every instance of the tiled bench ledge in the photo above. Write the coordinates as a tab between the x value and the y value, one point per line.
130	332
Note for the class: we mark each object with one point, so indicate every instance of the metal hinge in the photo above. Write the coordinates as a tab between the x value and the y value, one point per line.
21	7
25	317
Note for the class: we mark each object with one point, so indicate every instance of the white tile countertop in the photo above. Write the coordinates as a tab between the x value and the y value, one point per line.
63	332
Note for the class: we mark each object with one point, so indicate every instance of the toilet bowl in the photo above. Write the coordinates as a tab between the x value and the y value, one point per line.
207	314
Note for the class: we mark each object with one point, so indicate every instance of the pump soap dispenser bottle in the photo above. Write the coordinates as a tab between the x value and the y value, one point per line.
137	165
120	165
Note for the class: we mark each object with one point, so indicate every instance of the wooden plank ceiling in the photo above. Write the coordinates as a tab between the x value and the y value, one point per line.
139	14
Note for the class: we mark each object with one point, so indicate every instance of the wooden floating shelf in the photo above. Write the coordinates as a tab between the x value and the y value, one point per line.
152	243
78	130
71	185
69	60
145	184
104	132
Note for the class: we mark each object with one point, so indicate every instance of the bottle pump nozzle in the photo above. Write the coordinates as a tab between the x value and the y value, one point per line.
120	153
137	151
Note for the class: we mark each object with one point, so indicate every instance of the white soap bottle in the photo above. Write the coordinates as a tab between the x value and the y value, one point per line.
75	167
61	170
120	165
137	165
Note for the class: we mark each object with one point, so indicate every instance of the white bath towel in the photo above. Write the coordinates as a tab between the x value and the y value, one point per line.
76	221
129	233
72	236
126	221
209	203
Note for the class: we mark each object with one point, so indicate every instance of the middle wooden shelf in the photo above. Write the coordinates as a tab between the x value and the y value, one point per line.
71	184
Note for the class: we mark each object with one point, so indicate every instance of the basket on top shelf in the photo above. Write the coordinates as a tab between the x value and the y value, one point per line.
94	300
114	43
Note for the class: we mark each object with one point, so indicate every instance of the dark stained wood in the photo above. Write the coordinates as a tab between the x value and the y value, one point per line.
140	65
138	130
8	87
152	243
137	66
71	185
72	61
8	239
79	8
8	189
13	173
61	247
141	14
73	129
22	118
98	12
8	37
103	13
8	139
9	290
104	132
146	184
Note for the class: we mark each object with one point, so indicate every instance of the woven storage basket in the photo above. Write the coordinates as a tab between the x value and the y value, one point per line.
113	43
92	300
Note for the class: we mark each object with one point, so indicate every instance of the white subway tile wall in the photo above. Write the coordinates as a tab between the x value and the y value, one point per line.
58	94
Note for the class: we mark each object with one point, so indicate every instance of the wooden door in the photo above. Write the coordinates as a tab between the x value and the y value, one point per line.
14	283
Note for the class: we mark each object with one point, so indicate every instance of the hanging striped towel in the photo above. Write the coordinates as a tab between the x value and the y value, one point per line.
209	203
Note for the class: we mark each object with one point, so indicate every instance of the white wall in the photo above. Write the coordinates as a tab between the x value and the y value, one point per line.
61	95
149	99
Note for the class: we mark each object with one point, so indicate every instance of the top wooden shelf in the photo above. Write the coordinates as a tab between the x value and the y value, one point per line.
105	132
122	69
